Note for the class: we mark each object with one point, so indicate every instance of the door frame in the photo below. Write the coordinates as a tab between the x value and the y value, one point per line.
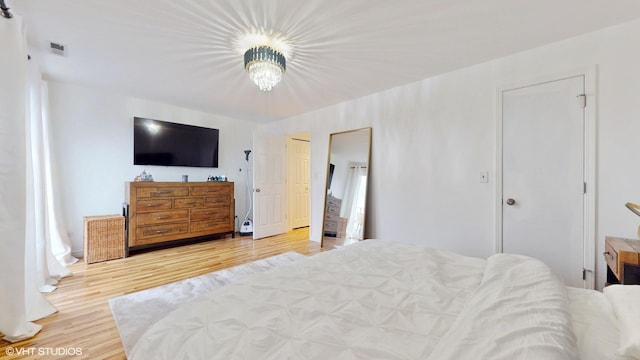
589	148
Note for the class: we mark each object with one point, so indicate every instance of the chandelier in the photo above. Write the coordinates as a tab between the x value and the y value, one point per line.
265	66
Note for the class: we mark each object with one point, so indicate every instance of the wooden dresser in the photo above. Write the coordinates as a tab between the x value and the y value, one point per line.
160	212
623	260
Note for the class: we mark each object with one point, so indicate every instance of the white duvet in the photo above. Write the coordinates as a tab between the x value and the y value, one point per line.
376	300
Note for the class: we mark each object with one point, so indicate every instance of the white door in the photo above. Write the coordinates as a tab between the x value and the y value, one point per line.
269	186
543	175
298	169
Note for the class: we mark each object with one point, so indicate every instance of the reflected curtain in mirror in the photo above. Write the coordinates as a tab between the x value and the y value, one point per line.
346	187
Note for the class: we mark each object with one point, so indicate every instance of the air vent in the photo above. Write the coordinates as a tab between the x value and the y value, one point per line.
58	49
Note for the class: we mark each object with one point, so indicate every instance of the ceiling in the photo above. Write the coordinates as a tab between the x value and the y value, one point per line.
189	52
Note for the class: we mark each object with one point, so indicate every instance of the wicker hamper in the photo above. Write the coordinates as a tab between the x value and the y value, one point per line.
103	238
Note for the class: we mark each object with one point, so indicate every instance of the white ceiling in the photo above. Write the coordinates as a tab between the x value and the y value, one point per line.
189	52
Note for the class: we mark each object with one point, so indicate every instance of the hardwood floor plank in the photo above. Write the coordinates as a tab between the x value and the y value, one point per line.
84	319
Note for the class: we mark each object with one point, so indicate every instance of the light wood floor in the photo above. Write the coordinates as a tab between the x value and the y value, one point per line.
329	242
84	319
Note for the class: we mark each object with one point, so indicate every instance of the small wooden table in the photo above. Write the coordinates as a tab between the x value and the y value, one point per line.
623	261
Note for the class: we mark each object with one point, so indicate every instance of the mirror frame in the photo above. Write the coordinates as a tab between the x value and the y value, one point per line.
326	182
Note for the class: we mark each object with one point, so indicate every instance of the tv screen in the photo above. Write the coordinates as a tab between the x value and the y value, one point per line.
169	144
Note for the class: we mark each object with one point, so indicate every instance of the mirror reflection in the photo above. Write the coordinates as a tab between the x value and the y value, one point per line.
347	177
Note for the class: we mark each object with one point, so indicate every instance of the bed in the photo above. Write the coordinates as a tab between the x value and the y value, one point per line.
388	300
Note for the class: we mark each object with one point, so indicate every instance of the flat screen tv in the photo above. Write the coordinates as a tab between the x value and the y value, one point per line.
169	144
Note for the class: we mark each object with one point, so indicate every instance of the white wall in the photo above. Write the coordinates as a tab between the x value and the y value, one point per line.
92	134
432	138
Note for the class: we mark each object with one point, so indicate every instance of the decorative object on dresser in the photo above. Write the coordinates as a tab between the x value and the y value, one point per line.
161	212
623	260
104	238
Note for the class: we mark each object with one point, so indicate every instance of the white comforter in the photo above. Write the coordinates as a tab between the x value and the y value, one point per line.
376	300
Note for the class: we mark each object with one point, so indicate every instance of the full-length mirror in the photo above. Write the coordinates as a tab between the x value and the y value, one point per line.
347	178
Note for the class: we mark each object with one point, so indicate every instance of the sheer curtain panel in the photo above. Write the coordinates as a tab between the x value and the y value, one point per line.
353	205
13	160
48	250
34	247
45	230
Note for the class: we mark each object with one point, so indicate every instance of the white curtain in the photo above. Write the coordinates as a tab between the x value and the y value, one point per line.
33	254
13	159
49	234
354	201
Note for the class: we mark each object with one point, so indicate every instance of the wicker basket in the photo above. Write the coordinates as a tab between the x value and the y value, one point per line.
103	238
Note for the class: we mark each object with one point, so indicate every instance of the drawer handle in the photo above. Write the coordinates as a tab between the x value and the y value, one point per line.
162	231
160	192
188	202
209	190
154	204
607	255
163	217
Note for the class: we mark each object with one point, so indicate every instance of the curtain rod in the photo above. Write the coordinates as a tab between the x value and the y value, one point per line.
5	10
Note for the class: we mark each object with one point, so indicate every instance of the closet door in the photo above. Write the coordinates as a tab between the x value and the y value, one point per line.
543	175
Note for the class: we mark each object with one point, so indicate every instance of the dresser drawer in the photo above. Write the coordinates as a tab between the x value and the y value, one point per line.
333	210
150	232
331	201
154	192
217	201
221	214
163	217
154	204
211	226
189	203
611	257
219	188
331	217
330	225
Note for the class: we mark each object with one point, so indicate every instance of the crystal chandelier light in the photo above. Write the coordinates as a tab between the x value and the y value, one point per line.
265	66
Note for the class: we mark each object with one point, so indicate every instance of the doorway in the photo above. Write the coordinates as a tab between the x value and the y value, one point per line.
298	180
544	166
273	175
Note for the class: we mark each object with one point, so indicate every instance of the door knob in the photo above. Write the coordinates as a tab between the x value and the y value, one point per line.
258	190
510	201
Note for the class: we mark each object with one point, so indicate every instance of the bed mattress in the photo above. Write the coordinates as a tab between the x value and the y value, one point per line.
595	325
376	300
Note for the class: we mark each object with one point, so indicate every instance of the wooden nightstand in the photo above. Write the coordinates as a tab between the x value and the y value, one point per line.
623	261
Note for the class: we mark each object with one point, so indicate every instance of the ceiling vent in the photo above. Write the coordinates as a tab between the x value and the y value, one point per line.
58	49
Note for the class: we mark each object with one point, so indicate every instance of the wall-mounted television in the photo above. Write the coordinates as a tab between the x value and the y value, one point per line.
170	144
